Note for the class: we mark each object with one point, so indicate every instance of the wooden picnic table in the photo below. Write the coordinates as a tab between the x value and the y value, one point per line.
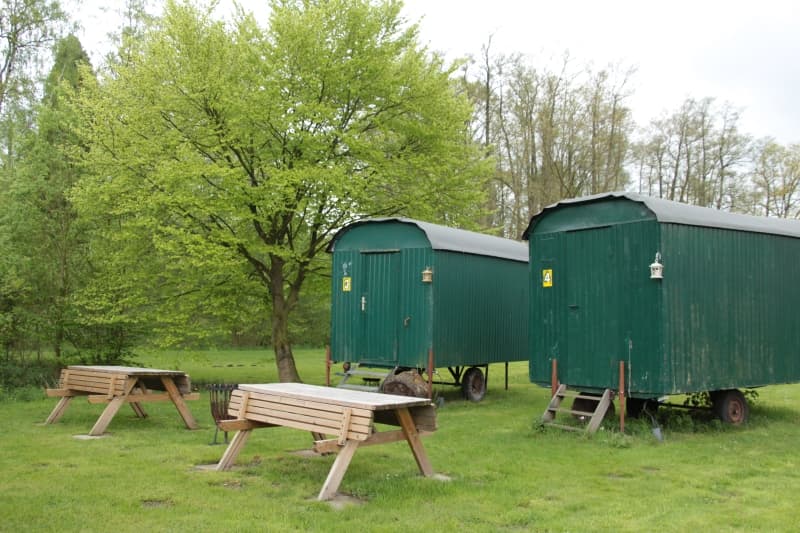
348	416
117	385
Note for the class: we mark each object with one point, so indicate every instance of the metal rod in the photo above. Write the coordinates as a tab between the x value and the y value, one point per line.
328	365
506	375
430	374
622	396
553	377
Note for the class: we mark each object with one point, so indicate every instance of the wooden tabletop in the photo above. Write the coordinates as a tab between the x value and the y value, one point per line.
128	370
350	398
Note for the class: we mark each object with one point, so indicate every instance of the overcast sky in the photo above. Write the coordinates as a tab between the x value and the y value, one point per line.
743	52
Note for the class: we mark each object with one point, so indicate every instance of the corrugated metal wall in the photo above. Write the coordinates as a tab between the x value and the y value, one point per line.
730	308
601	308
481	310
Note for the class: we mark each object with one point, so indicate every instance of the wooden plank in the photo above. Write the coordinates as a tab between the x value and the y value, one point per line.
141	398
138	409
344	397
359	423
345	427
106	416
241	410
270	400
600	412
382	437
234	424
58	410
338	470
355	433
179	402
414	441
125	370
111	410
233	449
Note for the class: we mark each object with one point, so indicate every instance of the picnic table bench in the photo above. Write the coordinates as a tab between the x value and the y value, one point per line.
340	421
117	385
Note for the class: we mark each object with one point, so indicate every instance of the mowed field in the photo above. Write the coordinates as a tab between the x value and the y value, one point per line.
501	471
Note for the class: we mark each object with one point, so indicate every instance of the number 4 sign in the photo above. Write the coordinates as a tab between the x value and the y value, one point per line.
547	277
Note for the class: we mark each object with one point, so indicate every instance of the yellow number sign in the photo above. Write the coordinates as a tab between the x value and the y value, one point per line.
547	277
347	284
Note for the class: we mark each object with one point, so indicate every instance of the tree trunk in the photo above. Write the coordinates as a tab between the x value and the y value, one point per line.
284	358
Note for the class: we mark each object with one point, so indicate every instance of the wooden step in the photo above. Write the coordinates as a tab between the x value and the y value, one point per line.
571	411
571	394
595	417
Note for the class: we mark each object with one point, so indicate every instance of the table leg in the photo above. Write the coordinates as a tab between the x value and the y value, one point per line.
59	409
177	399
414	441
236	445
136	406
107	415
338	470
111	409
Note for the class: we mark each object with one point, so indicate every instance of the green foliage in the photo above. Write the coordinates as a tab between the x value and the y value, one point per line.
44	237
22	374
27	29
698	399
222	159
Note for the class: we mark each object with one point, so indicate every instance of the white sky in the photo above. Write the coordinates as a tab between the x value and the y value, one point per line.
743	52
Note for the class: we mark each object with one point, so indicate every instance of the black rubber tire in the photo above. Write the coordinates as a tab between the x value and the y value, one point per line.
730	406
473	384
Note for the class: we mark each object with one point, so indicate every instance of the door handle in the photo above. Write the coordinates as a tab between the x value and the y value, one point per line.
363	303
406	321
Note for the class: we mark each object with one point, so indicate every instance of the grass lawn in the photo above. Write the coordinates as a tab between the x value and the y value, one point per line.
506	474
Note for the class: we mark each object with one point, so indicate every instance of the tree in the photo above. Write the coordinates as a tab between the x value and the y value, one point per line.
776	178
230	157
27	28
46	238
694	155
554	133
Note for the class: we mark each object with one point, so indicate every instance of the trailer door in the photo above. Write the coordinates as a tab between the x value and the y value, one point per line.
380	307
593	293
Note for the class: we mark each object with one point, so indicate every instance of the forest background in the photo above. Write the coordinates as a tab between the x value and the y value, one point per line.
182	191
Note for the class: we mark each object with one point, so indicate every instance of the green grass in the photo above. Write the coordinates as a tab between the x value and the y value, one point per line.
506	474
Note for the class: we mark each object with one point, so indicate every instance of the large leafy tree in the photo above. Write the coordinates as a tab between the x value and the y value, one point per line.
44	235
228	156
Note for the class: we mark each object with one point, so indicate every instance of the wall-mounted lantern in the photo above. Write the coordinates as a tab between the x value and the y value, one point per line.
656	268
427	275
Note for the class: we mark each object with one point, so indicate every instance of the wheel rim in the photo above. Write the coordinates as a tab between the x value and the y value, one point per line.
735	411
476	383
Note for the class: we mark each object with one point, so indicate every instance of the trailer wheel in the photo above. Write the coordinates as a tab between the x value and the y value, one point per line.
730	406
473	385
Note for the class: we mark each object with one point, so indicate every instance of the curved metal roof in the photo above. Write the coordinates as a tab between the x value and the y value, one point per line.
690	215
454	240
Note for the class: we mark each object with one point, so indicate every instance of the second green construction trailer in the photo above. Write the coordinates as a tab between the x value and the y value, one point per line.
408	294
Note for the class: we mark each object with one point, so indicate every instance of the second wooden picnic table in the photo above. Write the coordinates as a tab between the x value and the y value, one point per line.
340	421
117	385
